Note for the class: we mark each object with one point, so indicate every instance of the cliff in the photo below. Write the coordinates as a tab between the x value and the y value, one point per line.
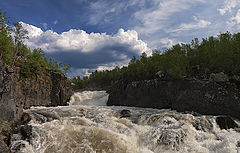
204	97
47	88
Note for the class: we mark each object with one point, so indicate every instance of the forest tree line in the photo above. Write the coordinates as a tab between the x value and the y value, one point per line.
14	52
182	61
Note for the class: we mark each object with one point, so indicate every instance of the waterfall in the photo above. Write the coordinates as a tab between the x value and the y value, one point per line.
87	125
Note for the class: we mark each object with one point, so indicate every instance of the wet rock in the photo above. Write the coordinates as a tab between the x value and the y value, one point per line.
25	118
238	144
226	122
26	132
25	129
48	88
61	90
173	138
200	96
4	148
203	124
125	113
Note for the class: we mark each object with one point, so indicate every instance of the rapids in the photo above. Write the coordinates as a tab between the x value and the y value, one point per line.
87	125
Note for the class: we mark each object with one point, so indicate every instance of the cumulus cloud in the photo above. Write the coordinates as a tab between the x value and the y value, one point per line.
228	6
109	66
199	23
87	51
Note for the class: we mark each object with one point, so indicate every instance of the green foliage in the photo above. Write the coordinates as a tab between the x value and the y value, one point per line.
59	67
197	59
6	43
34	62
174	62
14	52
37	61
20	33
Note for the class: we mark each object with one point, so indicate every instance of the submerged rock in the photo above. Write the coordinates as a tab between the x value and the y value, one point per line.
226	122
125	113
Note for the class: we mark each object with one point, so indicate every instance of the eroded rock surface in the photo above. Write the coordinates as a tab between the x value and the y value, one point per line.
204	97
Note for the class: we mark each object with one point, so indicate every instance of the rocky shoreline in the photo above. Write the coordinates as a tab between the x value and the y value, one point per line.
48	88
205	97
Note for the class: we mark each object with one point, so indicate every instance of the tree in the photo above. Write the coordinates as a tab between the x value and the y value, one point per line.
133	60
20	33
6	43
66	68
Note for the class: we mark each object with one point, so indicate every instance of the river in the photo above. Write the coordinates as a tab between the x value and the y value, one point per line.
87	125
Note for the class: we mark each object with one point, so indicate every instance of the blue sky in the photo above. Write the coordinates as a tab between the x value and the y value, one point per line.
102	34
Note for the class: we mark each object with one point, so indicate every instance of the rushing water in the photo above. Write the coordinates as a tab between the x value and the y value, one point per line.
87	125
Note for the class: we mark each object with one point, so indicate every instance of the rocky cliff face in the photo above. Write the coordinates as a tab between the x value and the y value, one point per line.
45	89
204	97
48	88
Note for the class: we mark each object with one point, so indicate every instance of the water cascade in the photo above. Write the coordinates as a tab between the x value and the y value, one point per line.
87	125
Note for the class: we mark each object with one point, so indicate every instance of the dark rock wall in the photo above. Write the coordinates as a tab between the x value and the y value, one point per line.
9	110
204	97
48	88
45	89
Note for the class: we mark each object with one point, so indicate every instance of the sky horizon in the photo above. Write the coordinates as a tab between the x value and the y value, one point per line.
102	34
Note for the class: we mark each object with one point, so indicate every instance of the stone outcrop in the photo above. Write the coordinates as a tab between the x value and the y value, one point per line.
204	97
48	88
45	89
226	122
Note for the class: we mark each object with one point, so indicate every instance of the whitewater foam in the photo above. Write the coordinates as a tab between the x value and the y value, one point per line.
88	126
90	98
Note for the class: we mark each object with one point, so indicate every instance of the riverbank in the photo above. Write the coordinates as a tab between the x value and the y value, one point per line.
207	97
47	88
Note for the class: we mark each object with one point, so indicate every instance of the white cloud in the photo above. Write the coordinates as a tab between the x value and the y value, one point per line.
166	42
236	19
32	30
96	50
101	9
156	18
228	6
199	23
81	41
87	71
81	72
234	22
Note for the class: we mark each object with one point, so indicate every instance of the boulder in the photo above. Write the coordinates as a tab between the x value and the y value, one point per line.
125	113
